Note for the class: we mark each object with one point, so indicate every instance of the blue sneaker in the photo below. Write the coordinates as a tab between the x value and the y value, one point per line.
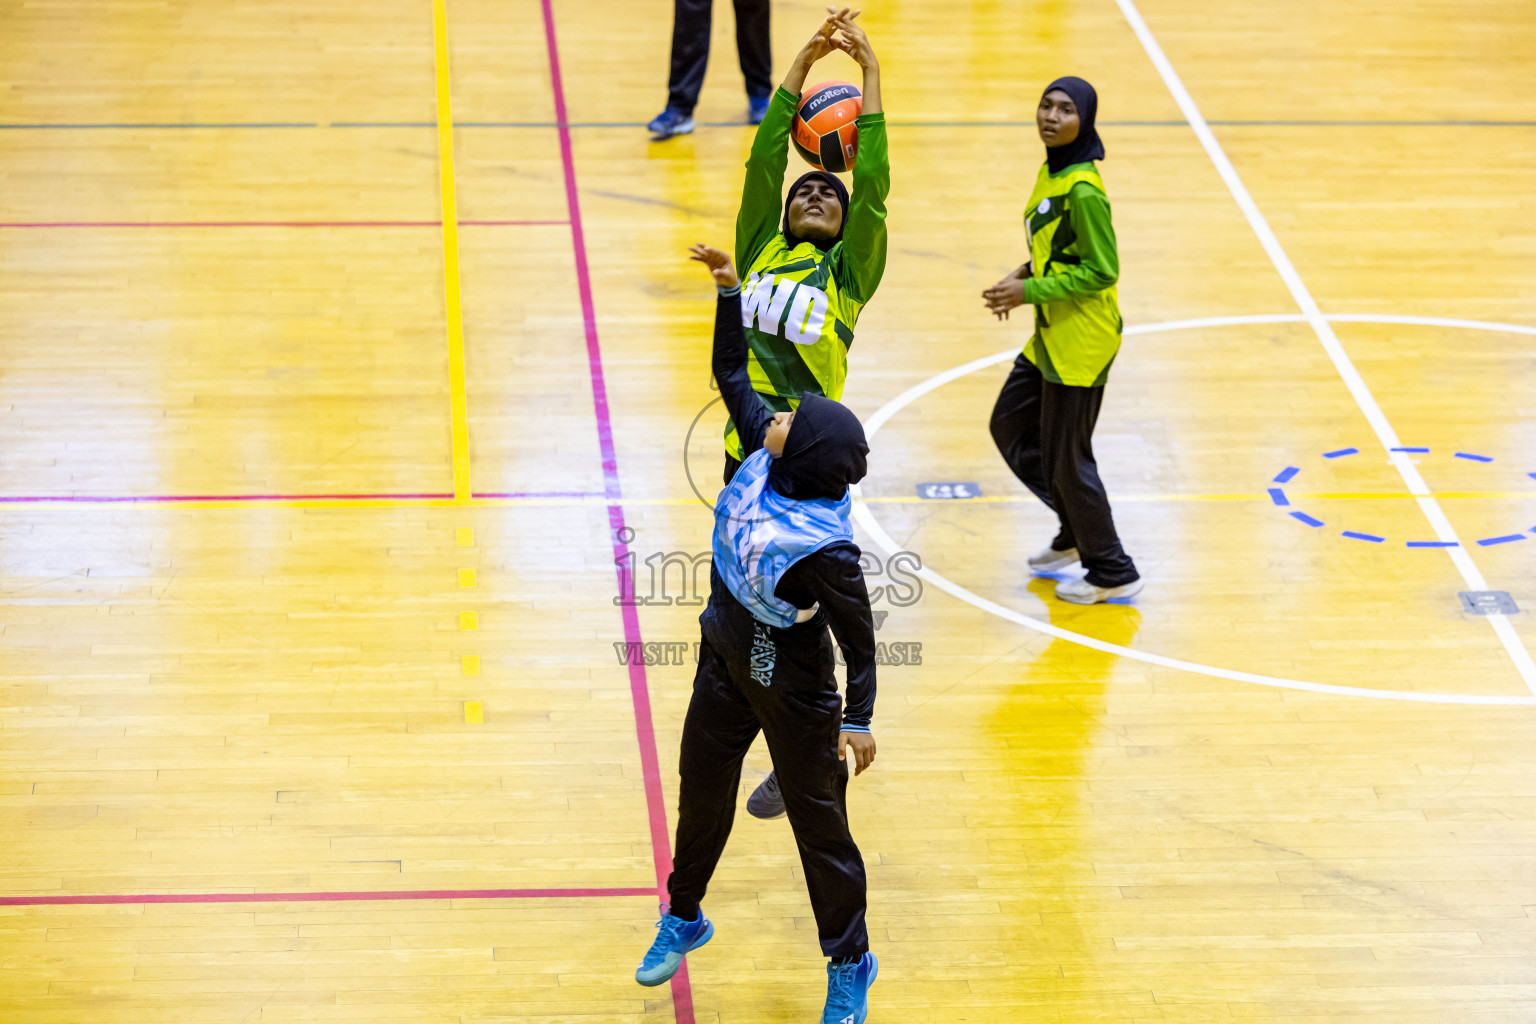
675	939
668	123
848	991
757	109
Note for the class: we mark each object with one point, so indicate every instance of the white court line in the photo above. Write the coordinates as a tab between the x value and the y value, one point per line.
1324	331
884	541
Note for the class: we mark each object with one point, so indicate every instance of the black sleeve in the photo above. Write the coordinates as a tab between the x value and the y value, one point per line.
832	577
729	364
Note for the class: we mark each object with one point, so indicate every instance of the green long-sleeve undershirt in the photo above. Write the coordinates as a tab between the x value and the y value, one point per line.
1094	246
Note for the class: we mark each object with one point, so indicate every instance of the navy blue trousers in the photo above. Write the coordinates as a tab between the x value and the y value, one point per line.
800	714
690	50
1045	434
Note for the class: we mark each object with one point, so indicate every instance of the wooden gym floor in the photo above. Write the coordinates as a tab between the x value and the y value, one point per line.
310	504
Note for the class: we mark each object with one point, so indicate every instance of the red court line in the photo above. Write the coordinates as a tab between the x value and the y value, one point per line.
272	223
645	733
320	897
88	499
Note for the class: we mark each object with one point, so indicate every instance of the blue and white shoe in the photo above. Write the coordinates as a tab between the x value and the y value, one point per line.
668	123
675	939
848	991
757	109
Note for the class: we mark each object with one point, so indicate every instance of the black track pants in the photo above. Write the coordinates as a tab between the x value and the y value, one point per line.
690	50
1045	433
800	714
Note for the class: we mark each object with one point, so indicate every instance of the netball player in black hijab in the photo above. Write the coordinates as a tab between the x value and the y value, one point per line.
784	584
1044	417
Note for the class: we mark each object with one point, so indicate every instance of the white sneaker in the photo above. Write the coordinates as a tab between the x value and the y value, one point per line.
1083	592
1049	560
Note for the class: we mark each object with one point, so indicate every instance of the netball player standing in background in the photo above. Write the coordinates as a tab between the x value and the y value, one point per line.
1044	418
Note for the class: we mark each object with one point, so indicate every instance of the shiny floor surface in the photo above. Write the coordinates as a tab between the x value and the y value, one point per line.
349	357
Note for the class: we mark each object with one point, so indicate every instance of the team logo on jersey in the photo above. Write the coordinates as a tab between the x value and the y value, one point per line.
764	300
1044	207
764	654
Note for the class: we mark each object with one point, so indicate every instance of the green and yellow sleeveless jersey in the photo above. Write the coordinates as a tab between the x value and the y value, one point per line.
1072	247
800	305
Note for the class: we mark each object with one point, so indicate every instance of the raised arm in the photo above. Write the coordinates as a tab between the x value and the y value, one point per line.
762	201
728	361
861	257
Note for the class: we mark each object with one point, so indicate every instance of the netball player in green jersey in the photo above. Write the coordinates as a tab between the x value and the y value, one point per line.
813	261
1044	418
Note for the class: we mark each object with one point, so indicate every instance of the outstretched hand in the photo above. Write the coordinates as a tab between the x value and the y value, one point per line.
851	39
719	264
821	44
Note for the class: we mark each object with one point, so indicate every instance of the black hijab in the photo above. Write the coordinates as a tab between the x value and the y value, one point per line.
1086	146
824	452
823	244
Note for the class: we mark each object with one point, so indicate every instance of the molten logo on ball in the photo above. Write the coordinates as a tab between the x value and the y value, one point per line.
825	132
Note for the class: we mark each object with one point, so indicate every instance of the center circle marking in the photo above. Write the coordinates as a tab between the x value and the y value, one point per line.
866	519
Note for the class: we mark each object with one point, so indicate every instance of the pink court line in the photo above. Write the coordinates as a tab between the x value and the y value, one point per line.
639	691
274	223
87	499
537	494
320	897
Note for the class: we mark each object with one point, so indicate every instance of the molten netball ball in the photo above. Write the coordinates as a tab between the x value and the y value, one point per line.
825	131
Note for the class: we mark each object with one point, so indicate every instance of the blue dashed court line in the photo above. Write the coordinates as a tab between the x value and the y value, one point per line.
1279	498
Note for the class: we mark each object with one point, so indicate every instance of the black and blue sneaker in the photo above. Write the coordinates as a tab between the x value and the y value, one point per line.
670	122
674	940
757	109
848	990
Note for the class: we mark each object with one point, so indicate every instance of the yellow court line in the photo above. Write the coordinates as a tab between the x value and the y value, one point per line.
457	393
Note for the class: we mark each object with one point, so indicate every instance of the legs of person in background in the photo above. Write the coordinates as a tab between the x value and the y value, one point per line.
1067	418
1016	432
1045	434
756	55
690	57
